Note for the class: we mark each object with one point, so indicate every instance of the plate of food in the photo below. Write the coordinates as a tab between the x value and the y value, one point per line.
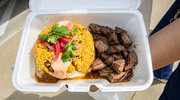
66	50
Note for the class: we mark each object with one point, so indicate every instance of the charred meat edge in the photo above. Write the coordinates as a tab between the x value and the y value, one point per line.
101	46
118	65
132	60
97	65
105	72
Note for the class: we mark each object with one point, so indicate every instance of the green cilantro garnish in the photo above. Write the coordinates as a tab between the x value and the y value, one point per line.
75	31
57	32
66	56
43	37
62	29
52	39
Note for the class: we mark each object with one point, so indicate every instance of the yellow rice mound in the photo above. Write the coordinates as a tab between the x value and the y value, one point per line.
84	56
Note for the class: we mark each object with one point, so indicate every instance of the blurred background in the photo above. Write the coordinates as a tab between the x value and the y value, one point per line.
12	19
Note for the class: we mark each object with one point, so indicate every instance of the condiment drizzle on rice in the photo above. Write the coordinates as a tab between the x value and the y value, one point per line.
84	55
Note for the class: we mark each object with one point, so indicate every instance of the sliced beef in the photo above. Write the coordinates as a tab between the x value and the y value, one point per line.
112	47
109	60
98	29
105	71
113	38
106	30
117	57
128	67
120	48
132	60
112	43
104	56
118	30
104	39
97	37
118	65
97	65
101	46
115	49
125	54
111	50
95	28
125	40
114	77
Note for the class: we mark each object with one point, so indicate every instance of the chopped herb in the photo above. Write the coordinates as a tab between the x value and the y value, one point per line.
52	39
43	37
57	32
75	31
62	29
66	56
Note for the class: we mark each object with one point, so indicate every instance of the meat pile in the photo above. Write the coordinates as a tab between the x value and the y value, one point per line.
113	60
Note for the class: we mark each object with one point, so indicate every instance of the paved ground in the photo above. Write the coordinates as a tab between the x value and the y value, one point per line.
9	42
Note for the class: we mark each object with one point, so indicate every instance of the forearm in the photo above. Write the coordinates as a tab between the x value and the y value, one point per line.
165	45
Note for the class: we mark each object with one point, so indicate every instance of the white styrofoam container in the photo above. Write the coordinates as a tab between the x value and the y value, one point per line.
122	13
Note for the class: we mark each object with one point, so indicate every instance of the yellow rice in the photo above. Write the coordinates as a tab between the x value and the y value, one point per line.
84	56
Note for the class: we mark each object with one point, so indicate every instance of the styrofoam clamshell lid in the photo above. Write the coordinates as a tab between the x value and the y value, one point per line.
53	5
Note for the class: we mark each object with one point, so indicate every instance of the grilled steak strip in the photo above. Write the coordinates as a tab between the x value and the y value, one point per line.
118	65
125	54
109	60
117	57
111	50
95	28
113	38
118	30
104	56
101	46
120	48
97	37
128	67
131	60
115	49
104	39
97	65
105	71
125	40
106	30
114	77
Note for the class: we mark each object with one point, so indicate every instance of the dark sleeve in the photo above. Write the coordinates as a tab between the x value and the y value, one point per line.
172	88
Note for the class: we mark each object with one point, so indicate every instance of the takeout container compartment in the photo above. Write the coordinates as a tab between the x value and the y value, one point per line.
122	13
